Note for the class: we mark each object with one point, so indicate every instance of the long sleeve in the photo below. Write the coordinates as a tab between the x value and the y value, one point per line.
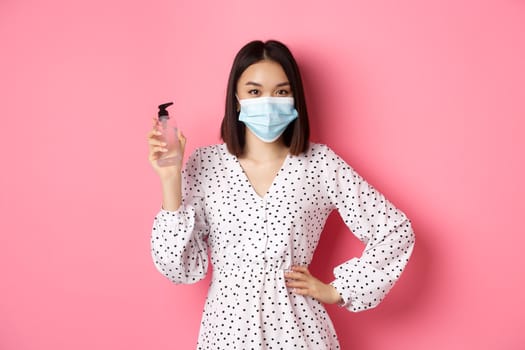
178	239
364	281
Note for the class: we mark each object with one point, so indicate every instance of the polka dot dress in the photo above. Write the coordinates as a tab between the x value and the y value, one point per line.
253	240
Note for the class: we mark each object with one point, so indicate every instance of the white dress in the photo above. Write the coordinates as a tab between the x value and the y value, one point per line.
253	240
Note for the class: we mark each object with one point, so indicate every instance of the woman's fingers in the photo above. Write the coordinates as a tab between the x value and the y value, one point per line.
158	149
299	291
299	279
156	146
297	284
298	272
182	139
155	153
302	269
296	276
155	142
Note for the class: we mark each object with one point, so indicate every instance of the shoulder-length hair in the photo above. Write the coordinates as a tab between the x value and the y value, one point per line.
297	134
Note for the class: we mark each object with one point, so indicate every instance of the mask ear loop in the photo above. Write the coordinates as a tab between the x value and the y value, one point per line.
238	103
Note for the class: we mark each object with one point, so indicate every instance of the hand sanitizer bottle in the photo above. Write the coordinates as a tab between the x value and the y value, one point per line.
169	135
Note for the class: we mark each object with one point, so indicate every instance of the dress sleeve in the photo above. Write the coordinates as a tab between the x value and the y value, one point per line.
178	239
363	282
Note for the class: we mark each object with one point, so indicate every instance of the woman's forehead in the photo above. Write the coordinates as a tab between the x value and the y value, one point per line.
264	72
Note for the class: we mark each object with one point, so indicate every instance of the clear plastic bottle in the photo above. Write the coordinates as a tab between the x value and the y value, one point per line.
168	127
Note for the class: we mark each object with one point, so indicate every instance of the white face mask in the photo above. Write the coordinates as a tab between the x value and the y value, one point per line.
267	117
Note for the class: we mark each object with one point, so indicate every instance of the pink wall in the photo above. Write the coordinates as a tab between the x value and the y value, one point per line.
423	98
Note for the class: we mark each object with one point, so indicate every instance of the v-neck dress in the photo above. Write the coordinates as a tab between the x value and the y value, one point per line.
252	241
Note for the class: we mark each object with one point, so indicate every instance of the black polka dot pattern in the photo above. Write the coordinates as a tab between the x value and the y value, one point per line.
253	240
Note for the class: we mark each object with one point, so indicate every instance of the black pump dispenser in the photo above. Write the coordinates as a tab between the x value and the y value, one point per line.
163	113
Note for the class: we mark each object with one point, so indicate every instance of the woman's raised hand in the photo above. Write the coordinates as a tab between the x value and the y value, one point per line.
157	147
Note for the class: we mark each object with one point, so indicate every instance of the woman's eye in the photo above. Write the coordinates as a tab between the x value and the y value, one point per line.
253	92
283	92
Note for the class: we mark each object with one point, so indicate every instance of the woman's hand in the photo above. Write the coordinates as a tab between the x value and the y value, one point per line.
170	176
157	147
303	283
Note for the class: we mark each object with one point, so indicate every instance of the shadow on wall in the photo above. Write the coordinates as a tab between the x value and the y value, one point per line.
404	301
327	100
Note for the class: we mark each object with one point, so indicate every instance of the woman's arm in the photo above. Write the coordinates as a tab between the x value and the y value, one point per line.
178	245
363	282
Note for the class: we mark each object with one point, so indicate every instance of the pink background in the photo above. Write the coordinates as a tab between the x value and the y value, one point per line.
425	99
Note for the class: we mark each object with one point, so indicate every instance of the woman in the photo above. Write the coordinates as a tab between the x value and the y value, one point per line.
258	204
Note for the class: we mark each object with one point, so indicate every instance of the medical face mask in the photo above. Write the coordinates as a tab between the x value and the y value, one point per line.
267	117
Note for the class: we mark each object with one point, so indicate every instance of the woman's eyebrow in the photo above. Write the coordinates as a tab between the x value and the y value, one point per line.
260	85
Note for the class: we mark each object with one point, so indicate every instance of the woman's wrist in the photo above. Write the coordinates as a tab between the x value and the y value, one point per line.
169	179
171	192
336	296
